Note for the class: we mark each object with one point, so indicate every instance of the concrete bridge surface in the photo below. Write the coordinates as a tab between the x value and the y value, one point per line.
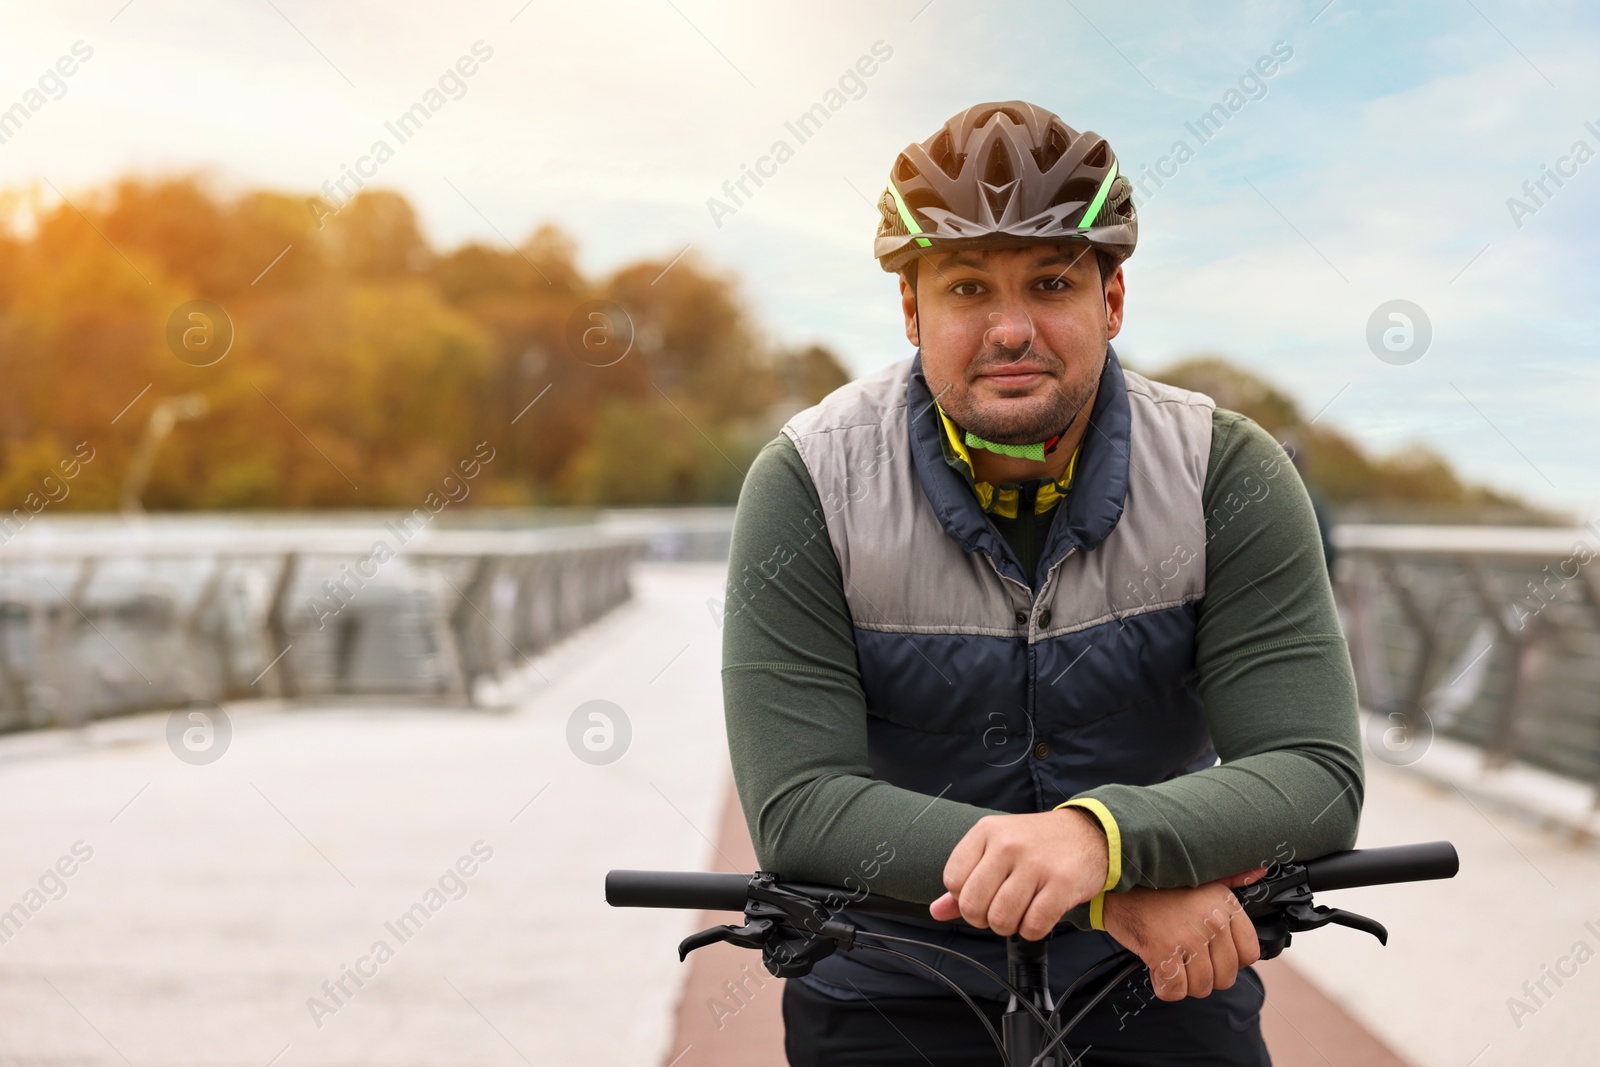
420	886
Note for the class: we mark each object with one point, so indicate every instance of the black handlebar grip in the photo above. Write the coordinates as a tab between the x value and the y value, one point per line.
694	890
1381	866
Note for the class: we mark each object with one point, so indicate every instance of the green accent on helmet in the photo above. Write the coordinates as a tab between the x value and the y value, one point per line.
907	217
1099	197
1034	451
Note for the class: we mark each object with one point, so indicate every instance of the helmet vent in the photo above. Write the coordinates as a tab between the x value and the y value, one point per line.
943	153
998	172
1054	147
1099	157
1081	190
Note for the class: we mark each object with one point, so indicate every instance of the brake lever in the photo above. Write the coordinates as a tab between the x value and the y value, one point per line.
1310	917
751	935
1281	906
792	931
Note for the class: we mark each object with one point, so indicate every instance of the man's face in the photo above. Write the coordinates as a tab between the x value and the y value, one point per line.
1013	340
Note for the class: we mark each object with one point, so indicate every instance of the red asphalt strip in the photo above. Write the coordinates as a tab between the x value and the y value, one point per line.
730	1013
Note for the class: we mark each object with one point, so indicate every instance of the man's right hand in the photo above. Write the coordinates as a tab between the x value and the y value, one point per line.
1193	940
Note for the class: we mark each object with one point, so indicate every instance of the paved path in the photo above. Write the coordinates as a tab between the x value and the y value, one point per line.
1460	950
218	899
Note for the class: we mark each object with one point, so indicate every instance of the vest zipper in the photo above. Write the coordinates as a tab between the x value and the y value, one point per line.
1050	580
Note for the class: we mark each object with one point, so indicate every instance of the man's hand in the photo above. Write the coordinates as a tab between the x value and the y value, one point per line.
1193	940
1021	873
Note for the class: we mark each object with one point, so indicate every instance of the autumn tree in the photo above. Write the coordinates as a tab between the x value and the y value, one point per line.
363	364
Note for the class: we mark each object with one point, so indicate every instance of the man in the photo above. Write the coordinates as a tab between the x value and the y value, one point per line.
995	612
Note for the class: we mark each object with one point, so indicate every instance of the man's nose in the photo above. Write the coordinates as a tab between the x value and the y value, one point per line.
1010	329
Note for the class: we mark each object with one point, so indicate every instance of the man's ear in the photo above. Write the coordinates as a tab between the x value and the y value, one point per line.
1115	292
908	307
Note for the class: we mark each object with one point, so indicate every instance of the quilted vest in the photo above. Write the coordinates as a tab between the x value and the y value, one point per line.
983	686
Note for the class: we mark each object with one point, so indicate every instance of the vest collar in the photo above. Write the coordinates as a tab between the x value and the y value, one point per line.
1087	516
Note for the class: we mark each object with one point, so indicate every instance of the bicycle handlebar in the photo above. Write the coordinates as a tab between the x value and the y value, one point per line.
791	925
701	891
1382	866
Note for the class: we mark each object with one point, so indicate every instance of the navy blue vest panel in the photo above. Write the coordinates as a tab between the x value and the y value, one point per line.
962	715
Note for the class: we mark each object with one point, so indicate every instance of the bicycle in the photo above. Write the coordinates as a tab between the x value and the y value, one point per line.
791	923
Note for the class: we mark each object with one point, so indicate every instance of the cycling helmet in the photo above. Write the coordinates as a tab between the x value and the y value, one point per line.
1000	176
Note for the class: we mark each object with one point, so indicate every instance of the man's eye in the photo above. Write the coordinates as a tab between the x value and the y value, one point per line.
1056	284
966	288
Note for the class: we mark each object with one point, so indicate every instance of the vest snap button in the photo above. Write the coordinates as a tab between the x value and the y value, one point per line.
1044	619
1041	750
1022	618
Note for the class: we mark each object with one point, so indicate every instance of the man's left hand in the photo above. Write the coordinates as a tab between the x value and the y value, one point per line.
1021	873
1193	940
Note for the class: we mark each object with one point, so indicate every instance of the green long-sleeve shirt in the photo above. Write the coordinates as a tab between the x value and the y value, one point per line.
1271	668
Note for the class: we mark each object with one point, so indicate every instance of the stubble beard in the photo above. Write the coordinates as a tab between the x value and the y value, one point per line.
1038	420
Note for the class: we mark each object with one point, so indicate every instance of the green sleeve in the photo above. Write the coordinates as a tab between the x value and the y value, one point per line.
796	713
1275	677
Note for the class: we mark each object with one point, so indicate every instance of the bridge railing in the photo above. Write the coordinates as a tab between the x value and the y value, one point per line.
114	621
1487	634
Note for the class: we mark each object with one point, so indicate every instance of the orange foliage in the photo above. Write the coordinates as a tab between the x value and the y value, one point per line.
364	364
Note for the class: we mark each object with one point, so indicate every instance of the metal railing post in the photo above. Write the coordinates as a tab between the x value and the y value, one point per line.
278	625
474	654
1424	623
1523	642
1591	596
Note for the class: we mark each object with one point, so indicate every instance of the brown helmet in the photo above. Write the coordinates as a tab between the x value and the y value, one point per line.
1001	176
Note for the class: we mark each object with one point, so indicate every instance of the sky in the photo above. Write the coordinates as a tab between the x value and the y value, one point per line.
1378	162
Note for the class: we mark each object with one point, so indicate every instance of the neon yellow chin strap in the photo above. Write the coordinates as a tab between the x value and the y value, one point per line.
1034	451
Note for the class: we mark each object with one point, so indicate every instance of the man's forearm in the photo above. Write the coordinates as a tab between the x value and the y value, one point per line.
1257	811
1291	784
796	716
816	819
1274	674
816	814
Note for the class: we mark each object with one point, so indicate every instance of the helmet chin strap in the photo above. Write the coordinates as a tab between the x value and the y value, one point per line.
1036	451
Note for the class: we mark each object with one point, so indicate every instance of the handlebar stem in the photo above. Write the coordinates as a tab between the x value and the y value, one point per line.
1028	968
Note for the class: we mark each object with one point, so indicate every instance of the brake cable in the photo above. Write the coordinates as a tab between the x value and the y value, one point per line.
994	1036
1117	979
1115	957
1038	1015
